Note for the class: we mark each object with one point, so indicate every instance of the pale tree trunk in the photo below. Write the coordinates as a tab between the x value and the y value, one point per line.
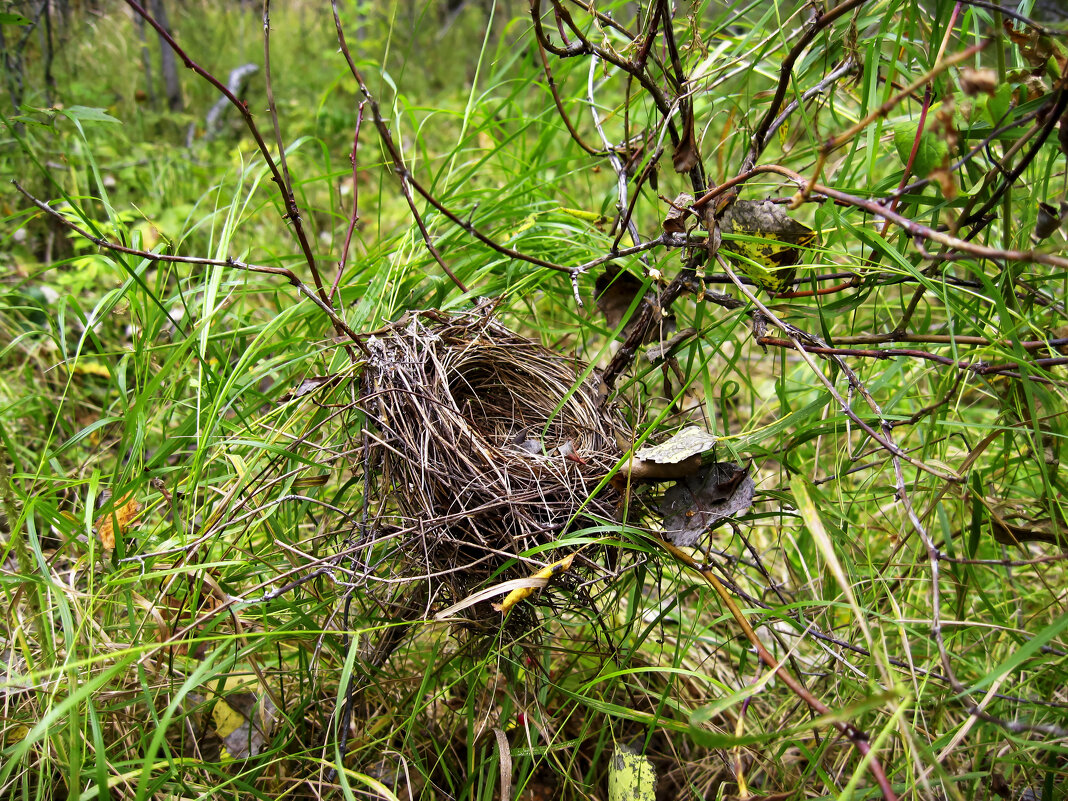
168	66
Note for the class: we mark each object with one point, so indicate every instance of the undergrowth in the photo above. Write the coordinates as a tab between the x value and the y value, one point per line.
186	472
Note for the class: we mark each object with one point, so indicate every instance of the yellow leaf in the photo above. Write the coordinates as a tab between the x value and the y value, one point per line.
631	777
227	719
92	368
125	514
546	573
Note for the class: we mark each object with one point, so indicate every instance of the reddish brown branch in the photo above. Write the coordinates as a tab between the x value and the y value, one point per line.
282	272
292	212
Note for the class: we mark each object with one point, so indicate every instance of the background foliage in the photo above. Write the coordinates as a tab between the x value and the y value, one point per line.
179	620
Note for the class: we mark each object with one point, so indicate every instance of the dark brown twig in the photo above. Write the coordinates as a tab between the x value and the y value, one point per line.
292	210
760	137
289	275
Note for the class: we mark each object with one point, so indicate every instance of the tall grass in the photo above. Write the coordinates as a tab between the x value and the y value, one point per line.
210	650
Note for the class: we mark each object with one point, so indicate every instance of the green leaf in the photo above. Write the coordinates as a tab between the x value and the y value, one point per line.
931	153
7	18
87	114
997	104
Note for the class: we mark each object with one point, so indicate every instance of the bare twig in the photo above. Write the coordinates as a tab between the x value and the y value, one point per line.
289	275
292	212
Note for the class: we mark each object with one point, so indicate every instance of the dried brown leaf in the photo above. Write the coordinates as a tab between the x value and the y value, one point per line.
694	505
686	155
678	211
124	514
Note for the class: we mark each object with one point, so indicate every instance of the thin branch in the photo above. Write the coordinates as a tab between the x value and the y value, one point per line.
289	275
759	139
292	210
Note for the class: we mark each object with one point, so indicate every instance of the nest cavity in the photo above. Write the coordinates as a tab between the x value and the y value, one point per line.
486	445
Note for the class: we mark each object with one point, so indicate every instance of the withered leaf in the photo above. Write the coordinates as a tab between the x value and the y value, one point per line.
694	505
768	240
308	386
124	514
1006	532
1037	48
666	349
685	157
691	441
974	82
1049	220
678	211
615	290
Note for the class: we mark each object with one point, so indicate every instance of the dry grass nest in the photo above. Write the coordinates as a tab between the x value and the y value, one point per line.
483	446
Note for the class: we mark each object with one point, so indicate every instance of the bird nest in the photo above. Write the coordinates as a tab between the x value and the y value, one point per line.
484	445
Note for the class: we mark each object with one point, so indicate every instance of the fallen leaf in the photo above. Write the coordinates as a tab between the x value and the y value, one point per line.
124	514
690	441
679	457
243	721
695	504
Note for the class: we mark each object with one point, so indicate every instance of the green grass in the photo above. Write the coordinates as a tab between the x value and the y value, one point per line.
123	669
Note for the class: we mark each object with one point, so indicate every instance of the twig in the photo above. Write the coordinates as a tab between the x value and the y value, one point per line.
408	181
289	275
759	139
914	229
796	334
292	210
